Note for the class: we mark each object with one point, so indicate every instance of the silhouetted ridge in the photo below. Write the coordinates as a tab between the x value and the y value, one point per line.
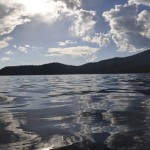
139	63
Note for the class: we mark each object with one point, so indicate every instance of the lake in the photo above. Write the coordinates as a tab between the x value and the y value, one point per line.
86	112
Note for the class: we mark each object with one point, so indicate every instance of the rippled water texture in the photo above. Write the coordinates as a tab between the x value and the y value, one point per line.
86	112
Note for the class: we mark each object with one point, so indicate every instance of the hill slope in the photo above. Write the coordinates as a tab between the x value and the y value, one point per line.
139	63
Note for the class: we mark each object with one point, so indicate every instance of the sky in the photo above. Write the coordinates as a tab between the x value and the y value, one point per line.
75	32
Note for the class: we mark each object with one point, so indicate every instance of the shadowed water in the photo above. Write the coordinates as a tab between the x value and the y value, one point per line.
86	112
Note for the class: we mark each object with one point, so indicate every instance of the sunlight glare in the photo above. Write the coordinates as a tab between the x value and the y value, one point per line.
40	7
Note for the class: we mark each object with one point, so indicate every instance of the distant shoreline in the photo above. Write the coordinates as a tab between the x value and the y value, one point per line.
139	63
76	74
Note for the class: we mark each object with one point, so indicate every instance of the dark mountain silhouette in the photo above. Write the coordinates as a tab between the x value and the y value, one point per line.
139	63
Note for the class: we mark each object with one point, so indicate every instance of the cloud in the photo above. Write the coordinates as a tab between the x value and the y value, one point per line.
128	28
5	42
32	8
67	42
23	49
74	51
91	58
12	18
99	39
9	53
139	2
15	46
18	12
4	59
144	19
27	46
71	4
83	22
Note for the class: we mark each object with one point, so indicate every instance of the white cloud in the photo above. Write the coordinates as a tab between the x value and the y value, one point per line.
13	18
139	2
71	4
32	8
5	42
128	28
144	19
67	42
23	49
90	57
20	12
4	59
23	11
15	46
83	22
27	46
9	53
36	48
73	51
100	39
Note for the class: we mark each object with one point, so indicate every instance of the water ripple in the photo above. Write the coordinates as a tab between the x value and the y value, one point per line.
75	112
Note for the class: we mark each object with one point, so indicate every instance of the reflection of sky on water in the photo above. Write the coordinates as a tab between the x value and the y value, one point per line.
131	126
56	111
12	136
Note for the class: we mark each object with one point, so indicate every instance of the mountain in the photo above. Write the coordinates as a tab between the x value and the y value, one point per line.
139	63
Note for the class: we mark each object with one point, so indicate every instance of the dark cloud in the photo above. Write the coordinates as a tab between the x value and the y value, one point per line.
91	4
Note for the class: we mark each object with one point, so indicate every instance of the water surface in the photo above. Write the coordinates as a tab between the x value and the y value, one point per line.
95	112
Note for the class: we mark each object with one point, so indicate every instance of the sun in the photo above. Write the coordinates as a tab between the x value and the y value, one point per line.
39	6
